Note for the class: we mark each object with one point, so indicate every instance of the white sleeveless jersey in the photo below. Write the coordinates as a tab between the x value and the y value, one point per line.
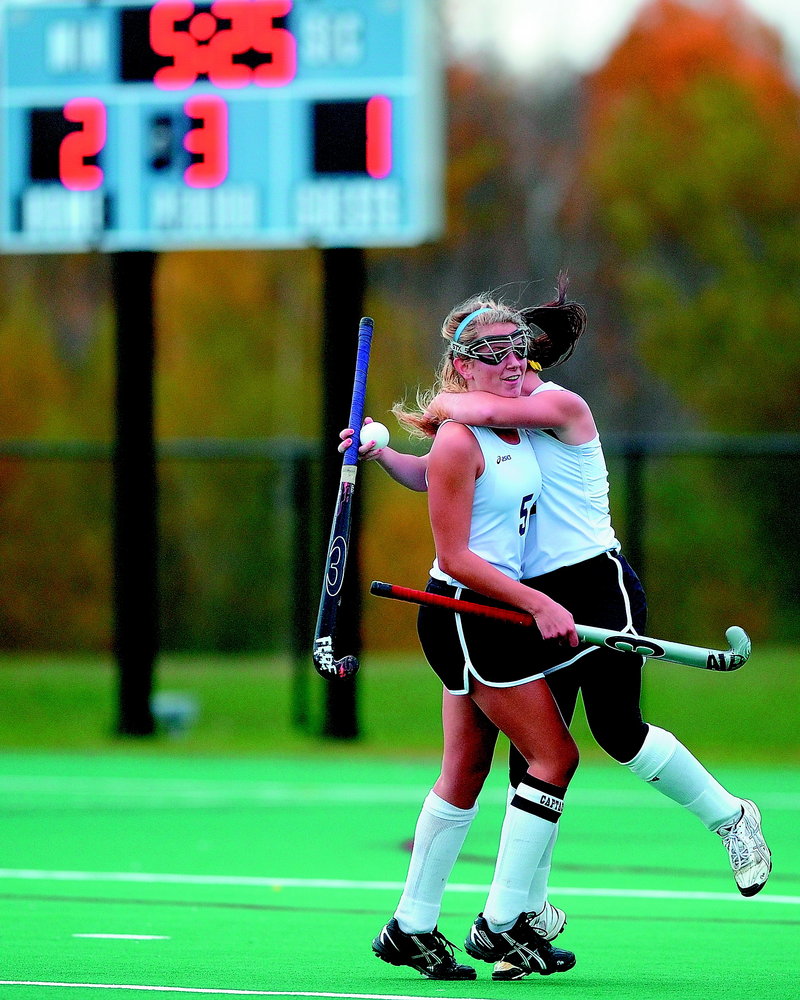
573	521
505	499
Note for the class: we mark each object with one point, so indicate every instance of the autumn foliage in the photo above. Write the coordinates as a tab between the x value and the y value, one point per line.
691	179
671	44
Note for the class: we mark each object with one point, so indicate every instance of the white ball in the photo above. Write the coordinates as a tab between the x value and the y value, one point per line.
376	432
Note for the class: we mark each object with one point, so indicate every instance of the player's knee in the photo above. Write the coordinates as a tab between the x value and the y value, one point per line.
471	782
462	785
561	761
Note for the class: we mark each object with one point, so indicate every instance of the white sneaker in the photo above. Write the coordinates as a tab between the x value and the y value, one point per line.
548	924
747	850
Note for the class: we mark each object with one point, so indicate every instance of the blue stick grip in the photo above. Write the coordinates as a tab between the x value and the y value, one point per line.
359	388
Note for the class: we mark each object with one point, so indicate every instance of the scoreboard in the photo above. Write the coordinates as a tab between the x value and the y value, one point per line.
238	123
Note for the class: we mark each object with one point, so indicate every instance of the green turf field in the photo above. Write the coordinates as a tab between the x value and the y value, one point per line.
154	874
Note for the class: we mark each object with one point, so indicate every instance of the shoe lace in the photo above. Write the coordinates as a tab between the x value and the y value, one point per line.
540	919
530	942
439	948
738	850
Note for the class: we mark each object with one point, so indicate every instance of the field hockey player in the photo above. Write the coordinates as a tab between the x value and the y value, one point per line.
574	556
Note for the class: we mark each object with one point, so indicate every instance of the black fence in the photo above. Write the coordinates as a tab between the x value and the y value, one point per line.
637	451
242	528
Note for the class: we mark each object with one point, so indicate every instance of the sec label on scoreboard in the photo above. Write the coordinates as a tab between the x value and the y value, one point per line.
238	123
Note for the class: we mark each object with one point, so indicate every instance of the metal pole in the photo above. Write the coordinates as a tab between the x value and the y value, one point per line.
135	493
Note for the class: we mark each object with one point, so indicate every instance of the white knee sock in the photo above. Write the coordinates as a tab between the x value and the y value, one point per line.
438	839
527	832
537	894
665	763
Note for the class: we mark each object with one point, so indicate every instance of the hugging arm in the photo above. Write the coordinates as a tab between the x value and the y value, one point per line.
558	411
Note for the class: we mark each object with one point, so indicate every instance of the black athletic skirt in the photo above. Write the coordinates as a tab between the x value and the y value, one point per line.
462	647
603	591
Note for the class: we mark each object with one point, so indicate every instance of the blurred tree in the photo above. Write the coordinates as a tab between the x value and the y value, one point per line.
484	241
238	343
692	175
55	383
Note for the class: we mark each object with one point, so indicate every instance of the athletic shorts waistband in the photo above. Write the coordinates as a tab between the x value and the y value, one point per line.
584	563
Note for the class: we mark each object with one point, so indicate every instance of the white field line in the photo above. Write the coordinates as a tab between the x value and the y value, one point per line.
124	937
266	882
172	792
209	991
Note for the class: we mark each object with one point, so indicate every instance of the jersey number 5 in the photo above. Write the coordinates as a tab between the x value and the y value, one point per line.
526	508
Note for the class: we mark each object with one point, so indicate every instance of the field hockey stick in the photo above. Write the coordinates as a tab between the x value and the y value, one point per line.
659	649
330	599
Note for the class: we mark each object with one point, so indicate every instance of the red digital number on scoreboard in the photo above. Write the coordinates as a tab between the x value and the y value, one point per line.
209	141
206	140
208	49
78	146
379	137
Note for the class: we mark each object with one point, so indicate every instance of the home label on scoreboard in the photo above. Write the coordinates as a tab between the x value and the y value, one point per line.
237	123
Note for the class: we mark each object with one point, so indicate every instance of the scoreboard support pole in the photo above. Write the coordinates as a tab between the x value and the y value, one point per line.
135	494
344	283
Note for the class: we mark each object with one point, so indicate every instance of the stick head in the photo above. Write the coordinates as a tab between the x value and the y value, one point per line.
325	663
740	646
346	668
734	657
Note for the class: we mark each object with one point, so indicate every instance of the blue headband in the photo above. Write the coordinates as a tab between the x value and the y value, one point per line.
467	320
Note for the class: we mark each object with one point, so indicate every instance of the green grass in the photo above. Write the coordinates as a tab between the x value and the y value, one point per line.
245	796
275	873
246	706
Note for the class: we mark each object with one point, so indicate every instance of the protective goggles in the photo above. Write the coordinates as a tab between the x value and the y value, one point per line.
494	350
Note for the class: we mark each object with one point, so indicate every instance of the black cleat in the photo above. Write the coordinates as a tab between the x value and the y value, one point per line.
430	953
518	952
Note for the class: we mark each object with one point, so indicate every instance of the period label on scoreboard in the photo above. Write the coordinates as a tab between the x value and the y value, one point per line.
237	123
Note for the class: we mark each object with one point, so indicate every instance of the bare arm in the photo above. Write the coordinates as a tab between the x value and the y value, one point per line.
566	413
455	462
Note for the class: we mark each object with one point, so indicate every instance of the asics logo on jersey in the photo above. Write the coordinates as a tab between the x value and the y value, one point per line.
503	458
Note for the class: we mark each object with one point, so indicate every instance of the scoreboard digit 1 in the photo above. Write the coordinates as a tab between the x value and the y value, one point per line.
238	123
